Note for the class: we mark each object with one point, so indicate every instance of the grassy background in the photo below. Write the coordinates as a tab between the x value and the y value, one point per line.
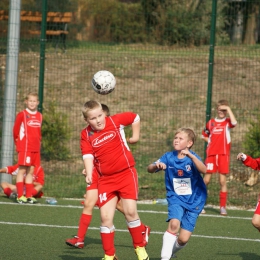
39	232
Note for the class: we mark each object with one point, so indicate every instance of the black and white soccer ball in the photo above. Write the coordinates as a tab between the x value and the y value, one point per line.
103	82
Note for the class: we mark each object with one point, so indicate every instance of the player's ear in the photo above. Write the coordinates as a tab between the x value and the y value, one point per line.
190	144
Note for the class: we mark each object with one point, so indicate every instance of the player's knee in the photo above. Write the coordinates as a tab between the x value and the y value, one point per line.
256	223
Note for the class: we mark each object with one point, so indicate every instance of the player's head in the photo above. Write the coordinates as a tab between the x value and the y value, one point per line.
221	109
105	109
184	138
32	101
94	114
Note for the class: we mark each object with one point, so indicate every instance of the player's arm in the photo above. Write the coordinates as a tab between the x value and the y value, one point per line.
155	167
205	133
3	170
17	124
201	167
249	161
135	131
88	165
231	115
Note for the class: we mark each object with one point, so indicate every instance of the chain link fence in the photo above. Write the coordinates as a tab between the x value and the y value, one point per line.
163	79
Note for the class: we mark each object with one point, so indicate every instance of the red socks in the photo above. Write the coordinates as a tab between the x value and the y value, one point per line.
19	187
29	189
108	243
223	199
7	192
84	223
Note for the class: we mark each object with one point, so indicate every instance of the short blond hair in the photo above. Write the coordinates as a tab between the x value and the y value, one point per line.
32	94
222	102
190	133
90	105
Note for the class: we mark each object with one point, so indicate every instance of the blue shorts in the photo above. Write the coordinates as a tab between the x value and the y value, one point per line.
187	218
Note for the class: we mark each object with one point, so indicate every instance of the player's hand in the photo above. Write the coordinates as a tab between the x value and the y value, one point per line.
241	157
88	179
131	140
84	172
186	152
160	166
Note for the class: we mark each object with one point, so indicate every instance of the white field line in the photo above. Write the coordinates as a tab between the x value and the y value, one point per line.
140	211
122	230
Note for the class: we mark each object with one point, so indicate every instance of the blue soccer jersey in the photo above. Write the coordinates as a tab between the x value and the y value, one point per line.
184	183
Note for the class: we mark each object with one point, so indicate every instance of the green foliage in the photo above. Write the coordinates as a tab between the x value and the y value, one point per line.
252	139
55	134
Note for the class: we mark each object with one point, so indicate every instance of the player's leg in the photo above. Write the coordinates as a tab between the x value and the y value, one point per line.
20	184
145	229
29	185
107	229
175	213
256	217
37	191
91	197
8	189
223	169
188	223
90	201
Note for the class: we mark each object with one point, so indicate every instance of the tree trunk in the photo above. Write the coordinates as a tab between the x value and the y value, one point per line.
251	24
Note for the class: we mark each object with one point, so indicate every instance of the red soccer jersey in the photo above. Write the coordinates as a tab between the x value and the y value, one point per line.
27	131
253	163
38	174
218	132
109	146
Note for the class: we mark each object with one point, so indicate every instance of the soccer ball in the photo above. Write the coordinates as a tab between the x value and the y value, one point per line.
103	82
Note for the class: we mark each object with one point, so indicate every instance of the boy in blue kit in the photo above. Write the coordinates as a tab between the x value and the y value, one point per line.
185	189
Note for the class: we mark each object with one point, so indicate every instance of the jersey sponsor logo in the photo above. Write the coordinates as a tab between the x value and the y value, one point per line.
34	123
103	139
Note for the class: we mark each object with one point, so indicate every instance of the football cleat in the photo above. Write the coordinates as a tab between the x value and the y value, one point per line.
223	211
74	242
31	200
22	200
146	235
141	253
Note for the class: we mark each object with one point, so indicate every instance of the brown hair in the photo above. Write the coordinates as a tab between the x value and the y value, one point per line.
90	105
222	102
190	133
34	94
105	109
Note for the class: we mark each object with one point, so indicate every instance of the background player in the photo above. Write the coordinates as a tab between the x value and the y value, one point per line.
185	190
217	135
254	164
38	182
27	138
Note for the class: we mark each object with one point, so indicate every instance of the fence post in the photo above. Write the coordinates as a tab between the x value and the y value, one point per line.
211	63
42	54
9	111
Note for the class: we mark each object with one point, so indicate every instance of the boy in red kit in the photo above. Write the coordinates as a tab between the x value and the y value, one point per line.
27	138
217	135
91	198
103	144
254	164
38	181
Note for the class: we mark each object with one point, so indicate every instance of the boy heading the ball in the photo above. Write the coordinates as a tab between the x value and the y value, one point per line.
103	144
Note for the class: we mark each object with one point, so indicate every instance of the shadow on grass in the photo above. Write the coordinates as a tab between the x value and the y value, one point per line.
244	255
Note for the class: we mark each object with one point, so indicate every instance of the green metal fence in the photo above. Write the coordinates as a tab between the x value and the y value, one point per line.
168	83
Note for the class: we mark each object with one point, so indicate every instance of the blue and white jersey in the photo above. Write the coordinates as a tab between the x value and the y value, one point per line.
184	183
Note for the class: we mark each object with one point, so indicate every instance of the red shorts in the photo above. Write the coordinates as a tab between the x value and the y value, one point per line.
29	158
257	208
94	183
123	185
218	163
